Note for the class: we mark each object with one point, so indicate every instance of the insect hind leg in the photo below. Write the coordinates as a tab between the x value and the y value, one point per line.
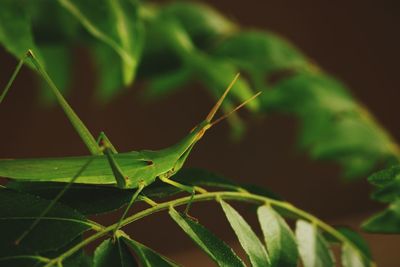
190	189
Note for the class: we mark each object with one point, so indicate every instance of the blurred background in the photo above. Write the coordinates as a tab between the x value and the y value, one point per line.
355	41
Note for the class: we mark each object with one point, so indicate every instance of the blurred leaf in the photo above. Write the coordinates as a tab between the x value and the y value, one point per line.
113	253
147	256
15	28
261	53
110	78
58	64
387	221
313	249
17	212
115	23
387	182
164	84
334	126
386	176
247	238
203	23
281	243
389	193
220	252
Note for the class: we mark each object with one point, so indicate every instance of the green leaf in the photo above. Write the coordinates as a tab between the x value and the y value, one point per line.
57	59
203	23
355	252
261	53
220	252
386	176
166	83
147	256
334	126
113	253
388	193
15	28
110	80
357	240
23	261
87	199
387	221
352	257
314	250
115	23
17	212
247	238
281	243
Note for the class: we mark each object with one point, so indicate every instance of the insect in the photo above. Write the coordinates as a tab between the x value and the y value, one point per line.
129	170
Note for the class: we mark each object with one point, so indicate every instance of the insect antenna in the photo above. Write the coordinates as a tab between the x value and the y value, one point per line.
223	117
217	105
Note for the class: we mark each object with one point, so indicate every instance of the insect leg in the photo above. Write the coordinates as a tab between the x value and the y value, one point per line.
122	180
133	198
190	189
80	128
103	141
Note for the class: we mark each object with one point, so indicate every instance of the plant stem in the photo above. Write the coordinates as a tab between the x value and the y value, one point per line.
237	196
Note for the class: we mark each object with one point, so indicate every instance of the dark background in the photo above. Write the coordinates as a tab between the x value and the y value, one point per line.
356	41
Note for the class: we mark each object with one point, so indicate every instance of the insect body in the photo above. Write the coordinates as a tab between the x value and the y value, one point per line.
126	170
137	166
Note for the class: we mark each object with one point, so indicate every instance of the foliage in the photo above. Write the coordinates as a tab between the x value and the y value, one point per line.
171	44
387	190
45	247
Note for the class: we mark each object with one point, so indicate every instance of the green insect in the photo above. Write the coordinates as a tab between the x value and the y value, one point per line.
129	170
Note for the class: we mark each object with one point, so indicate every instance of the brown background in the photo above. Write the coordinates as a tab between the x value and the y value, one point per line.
356	41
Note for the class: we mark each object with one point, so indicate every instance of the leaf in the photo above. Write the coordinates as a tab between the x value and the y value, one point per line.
57	59
110	80
352	257
387	221
15	28
166	83
147	256
261	53
281	243
203	23
388	193
355	252
207	241
113	253
247	238
22	261
313	249
17	212
87	199
115	23
334	126
357	241
385	177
